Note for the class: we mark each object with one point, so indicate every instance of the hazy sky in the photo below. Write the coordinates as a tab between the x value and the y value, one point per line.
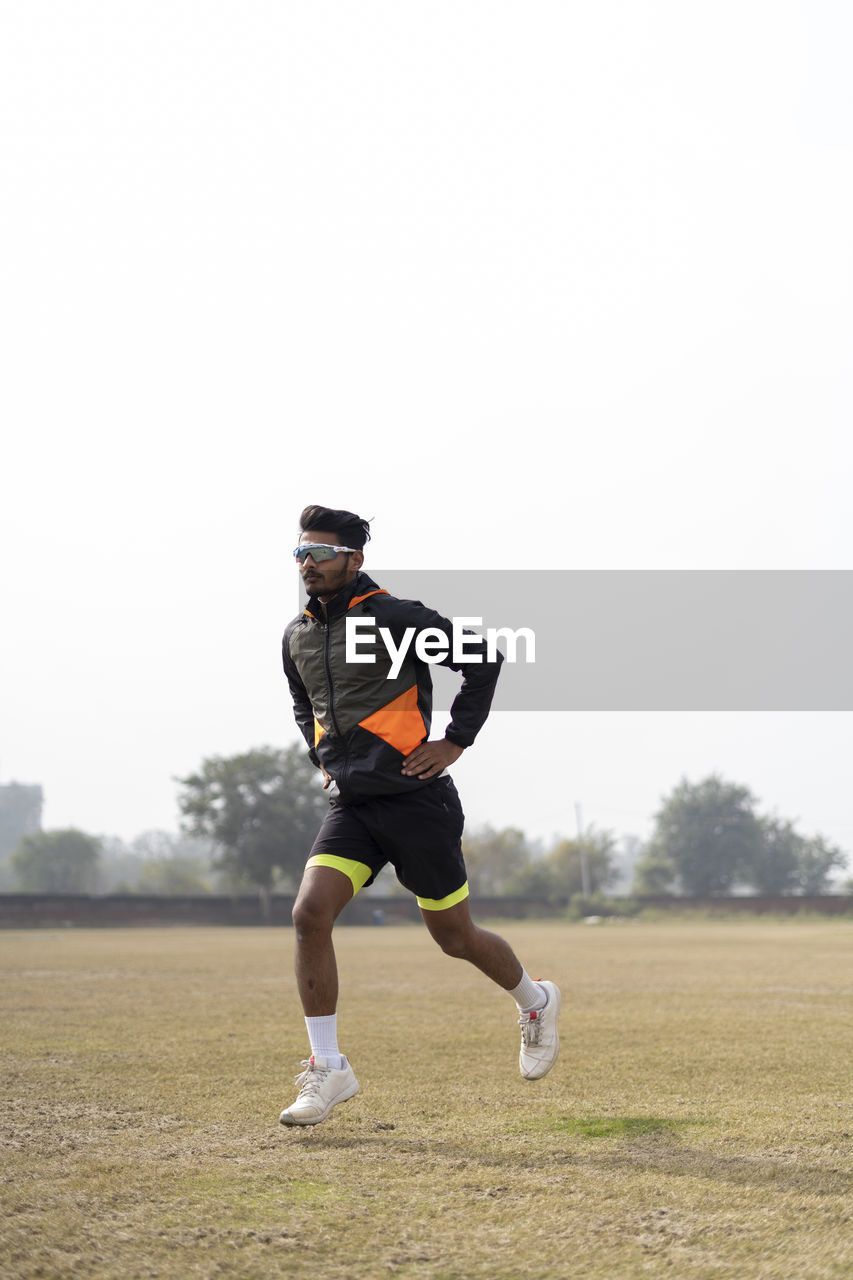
564	285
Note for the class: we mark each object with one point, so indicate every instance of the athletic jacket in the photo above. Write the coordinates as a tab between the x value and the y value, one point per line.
358	721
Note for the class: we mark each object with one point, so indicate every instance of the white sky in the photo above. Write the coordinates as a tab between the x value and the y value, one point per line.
563	285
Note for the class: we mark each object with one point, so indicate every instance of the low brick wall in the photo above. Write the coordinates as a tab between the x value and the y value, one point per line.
829	904
57	911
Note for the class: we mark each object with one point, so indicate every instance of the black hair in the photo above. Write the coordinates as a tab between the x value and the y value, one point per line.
345	525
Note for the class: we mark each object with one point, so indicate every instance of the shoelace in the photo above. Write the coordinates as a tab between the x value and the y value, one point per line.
531	1028
311	1078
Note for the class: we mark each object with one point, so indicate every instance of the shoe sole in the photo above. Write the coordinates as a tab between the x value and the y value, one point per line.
294	1122
554	993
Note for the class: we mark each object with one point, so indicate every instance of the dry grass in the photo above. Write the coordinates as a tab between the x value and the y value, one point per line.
698	1123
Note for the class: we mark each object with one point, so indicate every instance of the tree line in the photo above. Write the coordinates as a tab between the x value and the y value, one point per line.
72	861
248	821
707	840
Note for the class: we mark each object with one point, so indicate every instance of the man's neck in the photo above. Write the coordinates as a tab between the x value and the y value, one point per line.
324	600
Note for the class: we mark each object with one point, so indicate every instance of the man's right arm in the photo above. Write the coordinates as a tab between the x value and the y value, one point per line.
302	709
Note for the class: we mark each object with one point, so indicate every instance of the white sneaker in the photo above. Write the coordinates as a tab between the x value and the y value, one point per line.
323	1087
540	1041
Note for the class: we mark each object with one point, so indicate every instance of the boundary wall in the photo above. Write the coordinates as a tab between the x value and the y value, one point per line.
43	910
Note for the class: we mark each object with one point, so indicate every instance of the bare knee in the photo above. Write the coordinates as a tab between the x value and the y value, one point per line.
454	942
323	894
312	916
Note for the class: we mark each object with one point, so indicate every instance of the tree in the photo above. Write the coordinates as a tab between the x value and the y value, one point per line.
262	809
776	861
706	836
175	875
817	859
119	869
654	873
788	862
170	863
558	876
155	862
493	857
57	862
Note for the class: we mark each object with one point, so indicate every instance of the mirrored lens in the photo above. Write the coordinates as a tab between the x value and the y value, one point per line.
316	551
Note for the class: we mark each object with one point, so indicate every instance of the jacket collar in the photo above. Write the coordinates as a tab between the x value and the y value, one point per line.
361	586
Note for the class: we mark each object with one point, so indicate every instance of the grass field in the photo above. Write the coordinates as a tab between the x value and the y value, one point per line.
699	1122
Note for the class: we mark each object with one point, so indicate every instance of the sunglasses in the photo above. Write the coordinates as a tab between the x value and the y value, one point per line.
318	551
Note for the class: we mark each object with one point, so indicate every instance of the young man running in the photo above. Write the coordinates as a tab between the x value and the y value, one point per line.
367	728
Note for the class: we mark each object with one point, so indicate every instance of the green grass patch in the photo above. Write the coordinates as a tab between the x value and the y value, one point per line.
617	1126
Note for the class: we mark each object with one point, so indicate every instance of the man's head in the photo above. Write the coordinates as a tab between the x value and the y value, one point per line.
330	530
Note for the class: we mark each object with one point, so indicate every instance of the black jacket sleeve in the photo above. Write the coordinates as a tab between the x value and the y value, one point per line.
470	707
302	709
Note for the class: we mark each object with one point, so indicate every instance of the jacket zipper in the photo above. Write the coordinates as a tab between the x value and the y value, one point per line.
326	646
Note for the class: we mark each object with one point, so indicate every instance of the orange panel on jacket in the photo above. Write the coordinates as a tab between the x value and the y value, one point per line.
400	723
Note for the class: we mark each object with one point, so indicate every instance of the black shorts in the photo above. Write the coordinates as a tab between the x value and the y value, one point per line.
418	832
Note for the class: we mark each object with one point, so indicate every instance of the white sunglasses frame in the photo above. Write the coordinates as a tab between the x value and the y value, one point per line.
307	547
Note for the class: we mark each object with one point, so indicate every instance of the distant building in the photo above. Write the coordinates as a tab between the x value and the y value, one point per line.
20	813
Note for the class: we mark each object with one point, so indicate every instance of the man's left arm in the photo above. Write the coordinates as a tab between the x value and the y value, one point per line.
470	707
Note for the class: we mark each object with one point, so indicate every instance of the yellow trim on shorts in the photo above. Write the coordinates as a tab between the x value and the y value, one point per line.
441	904
357	872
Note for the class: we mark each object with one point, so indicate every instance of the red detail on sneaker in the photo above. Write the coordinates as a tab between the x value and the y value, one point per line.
533	1015
312	1060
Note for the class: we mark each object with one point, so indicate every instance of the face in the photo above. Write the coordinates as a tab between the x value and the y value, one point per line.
327	577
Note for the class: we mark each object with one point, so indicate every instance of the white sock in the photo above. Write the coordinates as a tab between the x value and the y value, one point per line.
528	994
323	1035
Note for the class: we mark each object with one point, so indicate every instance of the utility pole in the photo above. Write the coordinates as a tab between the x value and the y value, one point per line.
586	888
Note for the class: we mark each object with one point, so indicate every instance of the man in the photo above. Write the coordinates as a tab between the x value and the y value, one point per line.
367	728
